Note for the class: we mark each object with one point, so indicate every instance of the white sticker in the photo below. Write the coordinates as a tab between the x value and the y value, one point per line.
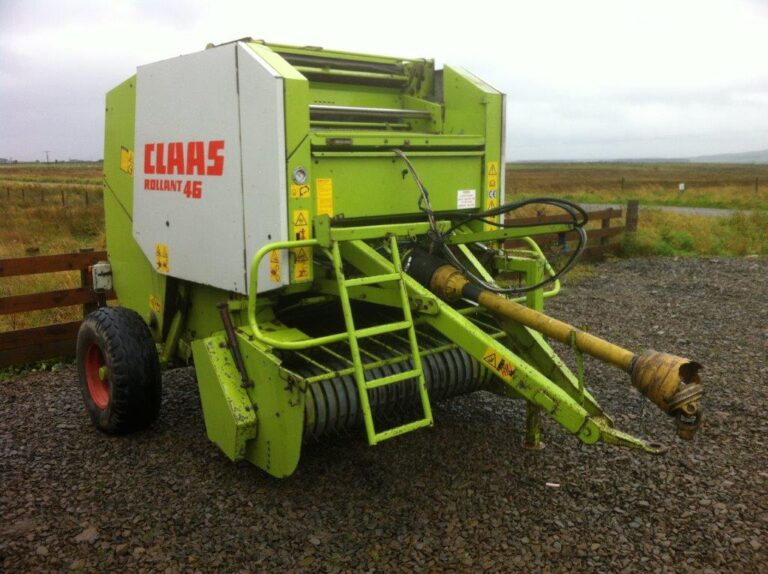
466	198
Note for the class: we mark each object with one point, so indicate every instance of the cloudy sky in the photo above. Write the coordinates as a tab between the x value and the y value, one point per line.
587	79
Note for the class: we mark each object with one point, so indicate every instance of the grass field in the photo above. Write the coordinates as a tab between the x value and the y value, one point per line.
665	233
739	187
707	185
58	208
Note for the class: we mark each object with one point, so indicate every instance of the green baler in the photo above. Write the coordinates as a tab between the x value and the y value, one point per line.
319	233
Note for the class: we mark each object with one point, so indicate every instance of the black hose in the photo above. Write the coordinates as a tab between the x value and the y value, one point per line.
579	219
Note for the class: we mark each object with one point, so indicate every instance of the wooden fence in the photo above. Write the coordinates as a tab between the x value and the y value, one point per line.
51	341
597	239
41	194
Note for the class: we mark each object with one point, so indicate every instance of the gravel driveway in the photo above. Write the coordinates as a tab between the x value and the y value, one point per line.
463	496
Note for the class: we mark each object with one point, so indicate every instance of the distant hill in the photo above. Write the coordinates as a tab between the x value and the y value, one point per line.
760	156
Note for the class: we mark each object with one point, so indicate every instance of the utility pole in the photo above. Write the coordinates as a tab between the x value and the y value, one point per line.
46	157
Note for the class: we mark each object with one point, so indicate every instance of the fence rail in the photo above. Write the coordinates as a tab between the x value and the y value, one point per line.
51	194
24	346
597	239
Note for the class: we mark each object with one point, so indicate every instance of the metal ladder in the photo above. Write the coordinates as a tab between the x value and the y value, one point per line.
354	335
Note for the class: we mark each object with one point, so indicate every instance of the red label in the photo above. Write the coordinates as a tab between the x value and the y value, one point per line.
182	158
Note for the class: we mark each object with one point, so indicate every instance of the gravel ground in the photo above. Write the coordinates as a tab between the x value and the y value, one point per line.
463	496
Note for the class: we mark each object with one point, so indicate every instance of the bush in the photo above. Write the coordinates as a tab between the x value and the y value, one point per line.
678	241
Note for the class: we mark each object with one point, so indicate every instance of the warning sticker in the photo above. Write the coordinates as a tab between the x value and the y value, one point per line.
498	363
299	191
300	222
493	175
274	266
466	199
126	160
154	304
492	187
161	258
302	262
492	203
324	188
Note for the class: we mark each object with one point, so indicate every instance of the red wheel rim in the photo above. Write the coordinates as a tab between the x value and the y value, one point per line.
95	376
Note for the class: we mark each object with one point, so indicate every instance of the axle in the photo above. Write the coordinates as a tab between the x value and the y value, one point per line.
672	383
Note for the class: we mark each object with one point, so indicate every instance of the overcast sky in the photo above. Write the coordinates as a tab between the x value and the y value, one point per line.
586	79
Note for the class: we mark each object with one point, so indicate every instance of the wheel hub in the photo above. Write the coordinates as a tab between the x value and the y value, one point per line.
97	376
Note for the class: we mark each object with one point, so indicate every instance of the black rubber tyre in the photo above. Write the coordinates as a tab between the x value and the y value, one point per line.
119	370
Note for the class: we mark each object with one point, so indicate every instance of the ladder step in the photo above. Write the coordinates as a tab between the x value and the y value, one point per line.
396	378
393	432
357	281
382	329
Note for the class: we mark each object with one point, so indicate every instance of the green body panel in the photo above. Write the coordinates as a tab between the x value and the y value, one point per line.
387	191
203	317
230	419
262	423
355	95
472	106
280	404
134	278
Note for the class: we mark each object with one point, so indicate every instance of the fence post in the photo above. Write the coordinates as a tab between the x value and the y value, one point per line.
87	203
606	223
86	280
633	214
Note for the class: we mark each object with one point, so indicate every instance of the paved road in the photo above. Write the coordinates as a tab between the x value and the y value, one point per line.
705	211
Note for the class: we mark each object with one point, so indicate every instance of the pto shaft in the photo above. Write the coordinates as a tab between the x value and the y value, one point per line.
558	330
671	383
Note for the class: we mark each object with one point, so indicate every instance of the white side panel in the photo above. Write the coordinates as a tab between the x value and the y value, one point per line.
262	125
192	207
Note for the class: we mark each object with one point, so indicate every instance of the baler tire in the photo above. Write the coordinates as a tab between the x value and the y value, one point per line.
119	370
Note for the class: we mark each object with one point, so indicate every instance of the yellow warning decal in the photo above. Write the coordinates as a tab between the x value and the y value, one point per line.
161	258
492	187
324	188
302	261
126	160
300	222
493	175
498	363
491	203
274	266
302	256
154	304
300	191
